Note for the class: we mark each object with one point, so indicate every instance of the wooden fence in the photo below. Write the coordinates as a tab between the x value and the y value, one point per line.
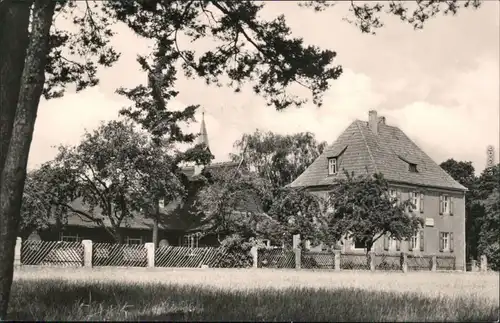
88	254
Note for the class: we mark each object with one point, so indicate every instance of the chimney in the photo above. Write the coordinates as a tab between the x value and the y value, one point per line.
373	121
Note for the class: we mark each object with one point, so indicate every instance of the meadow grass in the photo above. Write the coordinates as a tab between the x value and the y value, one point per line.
251	295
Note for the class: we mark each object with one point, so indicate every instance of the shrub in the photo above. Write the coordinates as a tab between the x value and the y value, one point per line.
238	252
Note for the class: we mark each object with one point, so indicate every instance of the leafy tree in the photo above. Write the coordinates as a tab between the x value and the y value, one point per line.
488	181
249	50
489	244
36	209
229	204
116	171
301	212
364	210
279	159
462	172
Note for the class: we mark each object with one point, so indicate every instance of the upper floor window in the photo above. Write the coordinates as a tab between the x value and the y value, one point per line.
415	200
446	204
332	166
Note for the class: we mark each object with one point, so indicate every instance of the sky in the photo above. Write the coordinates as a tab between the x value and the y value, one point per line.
440	85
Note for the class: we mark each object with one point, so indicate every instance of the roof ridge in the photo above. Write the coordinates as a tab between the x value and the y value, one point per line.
367	146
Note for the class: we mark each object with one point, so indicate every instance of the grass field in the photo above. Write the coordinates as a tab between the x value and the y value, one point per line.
251	294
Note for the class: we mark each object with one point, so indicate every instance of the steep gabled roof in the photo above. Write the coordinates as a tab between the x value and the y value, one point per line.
390	152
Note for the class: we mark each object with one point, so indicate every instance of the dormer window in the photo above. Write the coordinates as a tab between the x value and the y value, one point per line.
412	168
332	166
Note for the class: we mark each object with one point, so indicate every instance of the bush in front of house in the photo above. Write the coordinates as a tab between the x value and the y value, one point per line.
238	252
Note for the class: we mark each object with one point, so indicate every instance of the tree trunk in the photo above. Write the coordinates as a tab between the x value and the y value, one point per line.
13	173
14	19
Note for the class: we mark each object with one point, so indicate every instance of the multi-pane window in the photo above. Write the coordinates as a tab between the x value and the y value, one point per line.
415	200
66	237
446	241
445	204
414	242
332	166
134	240
191	240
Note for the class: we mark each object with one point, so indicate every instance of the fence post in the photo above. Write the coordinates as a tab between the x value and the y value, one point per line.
337	259
434	263
473	265
484	263
17	252
371	254
404	262
255	256
87	253
150	252
296	241
297	252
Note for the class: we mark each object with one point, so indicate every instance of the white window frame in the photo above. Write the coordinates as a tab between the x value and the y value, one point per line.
332	166
161	203
69	237
133	241
190	240
415	242
446	204
415	199
446	241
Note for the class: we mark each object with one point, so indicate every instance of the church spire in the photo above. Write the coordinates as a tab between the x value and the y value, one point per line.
203	138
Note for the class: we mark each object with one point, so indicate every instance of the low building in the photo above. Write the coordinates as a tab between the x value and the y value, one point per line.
178	226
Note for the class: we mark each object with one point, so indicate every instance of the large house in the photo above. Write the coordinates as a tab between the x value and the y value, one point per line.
373	147
176	228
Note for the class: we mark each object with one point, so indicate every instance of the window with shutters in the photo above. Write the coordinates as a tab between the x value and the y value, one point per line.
446	204
445	241
332	166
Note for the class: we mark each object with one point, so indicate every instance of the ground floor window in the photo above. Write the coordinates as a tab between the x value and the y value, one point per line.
131	240
414	242
446	241
190	240
68	237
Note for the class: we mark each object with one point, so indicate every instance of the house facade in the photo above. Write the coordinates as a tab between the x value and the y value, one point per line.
373	147
178	226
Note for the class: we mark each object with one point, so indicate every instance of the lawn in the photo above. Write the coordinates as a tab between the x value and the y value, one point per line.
251	294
